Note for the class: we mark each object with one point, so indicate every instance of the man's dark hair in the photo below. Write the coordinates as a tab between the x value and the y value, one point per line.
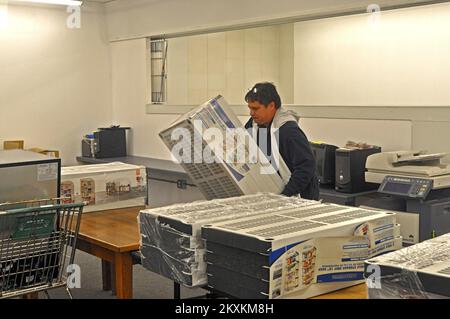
264	93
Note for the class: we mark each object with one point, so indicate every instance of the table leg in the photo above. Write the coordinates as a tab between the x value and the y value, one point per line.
176	290
106	275
123	266
113	280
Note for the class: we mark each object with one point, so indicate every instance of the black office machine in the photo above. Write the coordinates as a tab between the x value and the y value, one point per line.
325	162
105	143
418	185
351	167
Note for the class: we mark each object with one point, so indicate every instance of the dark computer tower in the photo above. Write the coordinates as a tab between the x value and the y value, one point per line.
325	155
351	168
110	142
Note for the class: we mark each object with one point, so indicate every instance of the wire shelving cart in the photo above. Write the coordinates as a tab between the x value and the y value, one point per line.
37	246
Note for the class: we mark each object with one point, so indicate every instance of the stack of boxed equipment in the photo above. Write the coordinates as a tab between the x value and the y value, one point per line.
296	252
104	186
173	243
224	166
416	272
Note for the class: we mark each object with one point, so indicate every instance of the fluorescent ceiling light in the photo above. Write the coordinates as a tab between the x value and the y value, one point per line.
62	2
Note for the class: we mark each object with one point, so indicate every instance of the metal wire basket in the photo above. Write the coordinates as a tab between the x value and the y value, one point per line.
37	245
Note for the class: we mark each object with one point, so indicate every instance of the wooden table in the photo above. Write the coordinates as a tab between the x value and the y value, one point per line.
112	235
354	292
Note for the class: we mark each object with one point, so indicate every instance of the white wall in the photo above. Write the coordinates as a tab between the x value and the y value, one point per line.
372	132
228	63
400	58
55	83
286	63
394	67
199	67
332	65
139	18
129	91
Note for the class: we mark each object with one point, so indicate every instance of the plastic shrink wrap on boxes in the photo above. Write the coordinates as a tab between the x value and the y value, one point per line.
296	251
171	243
421	271
264	245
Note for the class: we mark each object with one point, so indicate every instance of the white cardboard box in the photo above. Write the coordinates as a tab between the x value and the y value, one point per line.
221	177
308	247
104	186
420	271
305	250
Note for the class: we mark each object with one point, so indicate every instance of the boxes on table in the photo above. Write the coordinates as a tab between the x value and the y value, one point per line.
421	271
296	252
171	242
265	245
104	186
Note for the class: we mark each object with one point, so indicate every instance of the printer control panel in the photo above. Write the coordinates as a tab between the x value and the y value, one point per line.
406	186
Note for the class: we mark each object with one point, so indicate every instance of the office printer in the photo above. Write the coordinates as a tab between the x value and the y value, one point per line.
418	184
409	164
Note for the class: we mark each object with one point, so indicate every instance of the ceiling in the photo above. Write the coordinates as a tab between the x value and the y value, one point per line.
102	1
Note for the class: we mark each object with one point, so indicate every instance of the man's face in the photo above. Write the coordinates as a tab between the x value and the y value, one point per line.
261	114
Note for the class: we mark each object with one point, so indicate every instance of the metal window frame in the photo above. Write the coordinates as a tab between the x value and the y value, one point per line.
158	52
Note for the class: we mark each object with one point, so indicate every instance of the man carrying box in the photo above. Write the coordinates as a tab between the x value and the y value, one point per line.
277	132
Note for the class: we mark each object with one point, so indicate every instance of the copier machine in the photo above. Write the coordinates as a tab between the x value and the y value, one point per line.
417	186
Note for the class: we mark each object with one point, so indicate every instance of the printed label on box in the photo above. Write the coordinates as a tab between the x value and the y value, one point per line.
94	184
330	259
213	116
47	172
